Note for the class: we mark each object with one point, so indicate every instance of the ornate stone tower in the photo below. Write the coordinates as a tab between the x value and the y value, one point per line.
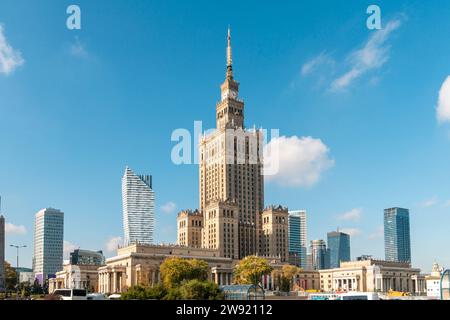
230	175
230	110
189	226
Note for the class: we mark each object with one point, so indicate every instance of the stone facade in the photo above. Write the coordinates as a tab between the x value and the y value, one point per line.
190	226
139	264
221	228
275	231
75	277
372	276
433	281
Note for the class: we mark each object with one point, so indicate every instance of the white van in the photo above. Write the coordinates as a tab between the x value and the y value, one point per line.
71	294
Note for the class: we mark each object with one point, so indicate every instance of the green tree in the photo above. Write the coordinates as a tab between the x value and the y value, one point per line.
176	270
10	276
285	277
156	292
134	293
144	293
251	269
200	290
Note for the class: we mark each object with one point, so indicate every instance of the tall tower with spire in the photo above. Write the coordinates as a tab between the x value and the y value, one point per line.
231	183
230	109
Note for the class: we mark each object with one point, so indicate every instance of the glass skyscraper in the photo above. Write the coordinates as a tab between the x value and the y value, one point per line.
339	248
297	238
87	257
138	207
397	243
48	243
320	256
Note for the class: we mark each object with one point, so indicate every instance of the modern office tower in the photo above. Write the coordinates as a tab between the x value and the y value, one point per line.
138	200
2	252
230	169
319	255
189	231
339	248
275	232
397	244
87	258
297	238
48	243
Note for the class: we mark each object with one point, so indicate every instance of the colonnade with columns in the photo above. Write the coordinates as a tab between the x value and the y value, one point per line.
111	279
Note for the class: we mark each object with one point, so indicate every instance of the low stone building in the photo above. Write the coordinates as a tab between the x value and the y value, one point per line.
81	272
433	282
139	264
304	280
75	277
372	276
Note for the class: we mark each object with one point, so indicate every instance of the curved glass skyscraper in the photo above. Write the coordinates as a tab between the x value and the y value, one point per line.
138	201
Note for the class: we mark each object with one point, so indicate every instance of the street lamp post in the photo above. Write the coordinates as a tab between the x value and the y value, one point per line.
17	268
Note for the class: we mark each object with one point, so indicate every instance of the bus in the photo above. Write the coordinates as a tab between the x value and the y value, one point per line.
71	294
323	296
359	296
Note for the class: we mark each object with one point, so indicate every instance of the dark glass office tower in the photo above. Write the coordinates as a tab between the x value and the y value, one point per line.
339	248
397	243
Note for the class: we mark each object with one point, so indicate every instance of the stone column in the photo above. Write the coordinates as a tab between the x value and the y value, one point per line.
272	282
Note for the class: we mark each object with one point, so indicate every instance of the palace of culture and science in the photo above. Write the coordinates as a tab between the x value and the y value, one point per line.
231	222
231	217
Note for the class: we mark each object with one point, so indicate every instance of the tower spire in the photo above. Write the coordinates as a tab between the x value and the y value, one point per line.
229	56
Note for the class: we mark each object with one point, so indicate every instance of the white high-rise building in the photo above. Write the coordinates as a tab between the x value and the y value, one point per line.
138	200
297	238
48	243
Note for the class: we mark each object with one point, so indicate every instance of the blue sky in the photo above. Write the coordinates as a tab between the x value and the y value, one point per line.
77	106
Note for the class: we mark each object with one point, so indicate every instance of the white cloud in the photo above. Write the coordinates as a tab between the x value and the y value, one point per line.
353	232
322	59
378	233
429	203
113	243
10	58
169	207
373	55
68	248
300	161
443	107
352	215
78	49
12	229
447	203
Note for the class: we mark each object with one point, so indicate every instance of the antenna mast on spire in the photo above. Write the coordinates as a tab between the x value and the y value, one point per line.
229	55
